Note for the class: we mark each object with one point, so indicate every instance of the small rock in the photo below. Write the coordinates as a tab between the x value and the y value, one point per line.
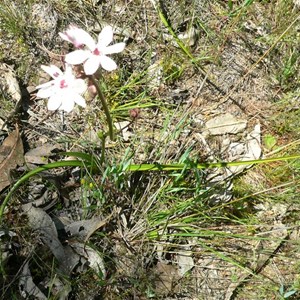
224	124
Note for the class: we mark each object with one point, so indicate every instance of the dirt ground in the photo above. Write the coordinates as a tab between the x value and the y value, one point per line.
198	82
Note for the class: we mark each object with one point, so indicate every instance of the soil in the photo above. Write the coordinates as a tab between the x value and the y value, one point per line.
236	74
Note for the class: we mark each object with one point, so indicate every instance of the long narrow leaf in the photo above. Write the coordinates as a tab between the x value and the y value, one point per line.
90	161
205	165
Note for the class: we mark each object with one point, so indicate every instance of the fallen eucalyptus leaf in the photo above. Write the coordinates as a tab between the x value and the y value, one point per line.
27	287
40	221
85	228
93	258
167	277
11	156
40	155
59	289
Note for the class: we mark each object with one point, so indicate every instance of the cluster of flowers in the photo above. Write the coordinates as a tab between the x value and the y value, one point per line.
66	89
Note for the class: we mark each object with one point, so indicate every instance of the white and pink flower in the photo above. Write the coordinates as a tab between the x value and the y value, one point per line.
96	53
64	90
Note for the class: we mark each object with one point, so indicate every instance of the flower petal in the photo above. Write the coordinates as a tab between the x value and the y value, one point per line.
68	75
77	57
79	86
52	70
67	104
78	37
54	102
107	63
105	36
46	92
46	84
116	48
79	100
91	65
65	37
86	39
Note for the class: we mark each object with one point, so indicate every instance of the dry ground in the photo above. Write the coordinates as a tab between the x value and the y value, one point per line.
218	233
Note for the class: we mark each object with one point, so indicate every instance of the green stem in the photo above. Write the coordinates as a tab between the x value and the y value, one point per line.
105	107
102	158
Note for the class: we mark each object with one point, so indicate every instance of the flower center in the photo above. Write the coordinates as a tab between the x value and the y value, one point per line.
63	84
96	52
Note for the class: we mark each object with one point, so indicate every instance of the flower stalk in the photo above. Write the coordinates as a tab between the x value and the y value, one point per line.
105	107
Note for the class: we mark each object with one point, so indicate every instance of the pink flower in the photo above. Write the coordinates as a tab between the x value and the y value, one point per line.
96	54
64	90
77	36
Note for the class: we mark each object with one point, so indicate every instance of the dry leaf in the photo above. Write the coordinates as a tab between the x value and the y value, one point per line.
69	256
11	155
167	278
27	287
92	257
40	155
40	221
60	289
185	261
85	228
